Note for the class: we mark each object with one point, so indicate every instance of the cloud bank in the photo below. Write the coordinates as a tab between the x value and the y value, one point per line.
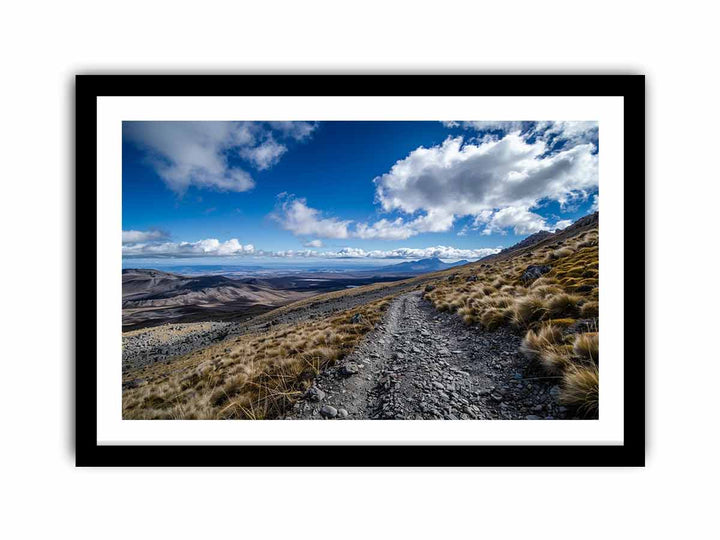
212	247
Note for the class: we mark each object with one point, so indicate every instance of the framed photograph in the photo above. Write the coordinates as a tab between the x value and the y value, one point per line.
360	270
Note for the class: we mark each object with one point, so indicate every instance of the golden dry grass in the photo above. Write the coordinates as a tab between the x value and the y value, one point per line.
581	386
256	376
493	294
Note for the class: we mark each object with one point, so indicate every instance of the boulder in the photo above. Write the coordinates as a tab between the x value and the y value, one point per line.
349	369
534	271
328	411
314	394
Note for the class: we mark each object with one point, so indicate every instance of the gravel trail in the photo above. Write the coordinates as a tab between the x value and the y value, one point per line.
422	364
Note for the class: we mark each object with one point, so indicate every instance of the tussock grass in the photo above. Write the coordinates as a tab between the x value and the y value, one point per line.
581	389
590	310
535	342
255	376
563	305
546	310
587	347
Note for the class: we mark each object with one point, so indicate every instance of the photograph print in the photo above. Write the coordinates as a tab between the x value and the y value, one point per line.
361	270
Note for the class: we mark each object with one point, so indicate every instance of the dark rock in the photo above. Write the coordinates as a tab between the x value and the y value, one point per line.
314	394
534	271
429	287
349	369
357	318
328	411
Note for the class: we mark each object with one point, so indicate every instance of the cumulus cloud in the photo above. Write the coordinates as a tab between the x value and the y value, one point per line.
400	229
466	179
186	154
296	130
294	215
152	235
264	155
498	181
210	247
313	244
521	220
563	224
570	132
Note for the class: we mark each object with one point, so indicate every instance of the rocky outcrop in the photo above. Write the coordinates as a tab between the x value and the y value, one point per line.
533	272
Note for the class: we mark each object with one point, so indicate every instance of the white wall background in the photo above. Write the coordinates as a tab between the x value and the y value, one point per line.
44	44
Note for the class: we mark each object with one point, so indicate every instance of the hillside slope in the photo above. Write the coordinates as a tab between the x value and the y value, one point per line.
511	336
152	295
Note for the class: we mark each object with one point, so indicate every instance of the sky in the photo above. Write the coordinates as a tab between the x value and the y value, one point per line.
367	192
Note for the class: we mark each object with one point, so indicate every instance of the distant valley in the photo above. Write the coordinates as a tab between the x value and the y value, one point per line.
152	297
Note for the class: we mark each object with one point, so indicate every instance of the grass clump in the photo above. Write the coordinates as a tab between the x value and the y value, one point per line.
590	310
587	347
581	389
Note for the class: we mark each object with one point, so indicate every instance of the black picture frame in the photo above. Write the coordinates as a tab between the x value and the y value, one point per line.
89	87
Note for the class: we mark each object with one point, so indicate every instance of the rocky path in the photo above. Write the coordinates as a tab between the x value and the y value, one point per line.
422	364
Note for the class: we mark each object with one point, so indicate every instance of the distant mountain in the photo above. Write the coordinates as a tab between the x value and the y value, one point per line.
418	267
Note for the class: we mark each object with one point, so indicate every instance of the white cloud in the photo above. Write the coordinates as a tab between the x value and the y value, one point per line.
210	247
466	179
132	236
498	181
571	132
196	154
264	155
296	216
563	224
486	125
441	252
521	220
313	244
296	130
399	229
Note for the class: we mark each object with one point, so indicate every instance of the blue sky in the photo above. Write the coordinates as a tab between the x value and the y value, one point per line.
243	192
